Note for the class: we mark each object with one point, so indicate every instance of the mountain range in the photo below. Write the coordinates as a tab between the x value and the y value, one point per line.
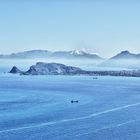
75	54
123	59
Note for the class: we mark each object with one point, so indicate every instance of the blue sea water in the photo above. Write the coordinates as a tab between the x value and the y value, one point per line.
40	108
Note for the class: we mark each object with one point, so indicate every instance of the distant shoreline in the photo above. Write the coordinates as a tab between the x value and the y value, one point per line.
42	68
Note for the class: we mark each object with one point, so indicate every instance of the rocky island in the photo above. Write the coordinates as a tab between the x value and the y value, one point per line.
49	69
42	68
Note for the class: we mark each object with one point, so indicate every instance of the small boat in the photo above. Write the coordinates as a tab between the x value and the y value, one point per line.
95	78
74	101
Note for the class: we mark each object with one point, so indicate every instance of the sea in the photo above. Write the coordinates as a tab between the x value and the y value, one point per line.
40	107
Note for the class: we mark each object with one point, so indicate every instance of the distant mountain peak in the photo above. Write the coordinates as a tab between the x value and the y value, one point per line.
123	59
125	52
125	55
82	51
78	52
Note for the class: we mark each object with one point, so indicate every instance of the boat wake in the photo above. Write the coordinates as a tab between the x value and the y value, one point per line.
108	127
73	119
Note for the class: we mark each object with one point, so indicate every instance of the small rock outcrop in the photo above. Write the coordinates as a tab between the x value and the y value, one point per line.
15	70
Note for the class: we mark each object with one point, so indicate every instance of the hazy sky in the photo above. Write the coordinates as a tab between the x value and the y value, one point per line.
103	26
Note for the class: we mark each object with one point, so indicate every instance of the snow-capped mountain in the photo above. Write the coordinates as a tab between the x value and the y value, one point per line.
80	52
77	52
56	54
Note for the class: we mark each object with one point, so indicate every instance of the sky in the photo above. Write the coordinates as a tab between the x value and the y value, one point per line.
101	26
